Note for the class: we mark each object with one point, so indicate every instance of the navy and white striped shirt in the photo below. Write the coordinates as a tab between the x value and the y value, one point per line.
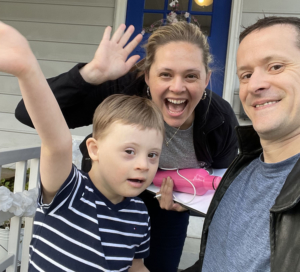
81	230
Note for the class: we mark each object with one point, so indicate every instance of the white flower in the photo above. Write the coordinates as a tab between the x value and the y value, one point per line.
6	199
20	204
186	15
172	4
143	32
175	21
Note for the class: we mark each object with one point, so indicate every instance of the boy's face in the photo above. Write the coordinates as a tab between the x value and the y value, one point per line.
126	161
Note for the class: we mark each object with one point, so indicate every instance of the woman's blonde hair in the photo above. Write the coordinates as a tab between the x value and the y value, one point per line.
128	110
181	31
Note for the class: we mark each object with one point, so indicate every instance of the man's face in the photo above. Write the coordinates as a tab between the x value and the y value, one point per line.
268	67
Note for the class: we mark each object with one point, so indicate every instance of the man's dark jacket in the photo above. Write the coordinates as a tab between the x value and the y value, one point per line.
284	215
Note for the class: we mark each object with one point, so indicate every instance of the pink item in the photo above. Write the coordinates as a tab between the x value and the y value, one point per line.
199	177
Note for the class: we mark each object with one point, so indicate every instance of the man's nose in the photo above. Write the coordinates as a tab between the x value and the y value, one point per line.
258	81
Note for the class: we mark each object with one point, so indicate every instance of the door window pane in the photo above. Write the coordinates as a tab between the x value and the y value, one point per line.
154	4
204	21
183	5
202	5
151	18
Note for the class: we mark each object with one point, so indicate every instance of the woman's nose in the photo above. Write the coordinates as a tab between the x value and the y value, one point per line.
177	85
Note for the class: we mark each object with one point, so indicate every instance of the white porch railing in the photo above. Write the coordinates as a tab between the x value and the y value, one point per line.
21	158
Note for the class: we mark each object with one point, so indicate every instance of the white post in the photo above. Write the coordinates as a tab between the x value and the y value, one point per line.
15	223
33	183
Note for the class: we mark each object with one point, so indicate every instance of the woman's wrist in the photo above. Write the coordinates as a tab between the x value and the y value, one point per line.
92	75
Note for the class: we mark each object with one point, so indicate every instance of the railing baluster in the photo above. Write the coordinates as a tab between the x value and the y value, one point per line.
33	182
15	223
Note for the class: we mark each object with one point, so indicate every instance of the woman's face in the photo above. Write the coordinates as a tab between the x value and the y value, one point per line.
177	79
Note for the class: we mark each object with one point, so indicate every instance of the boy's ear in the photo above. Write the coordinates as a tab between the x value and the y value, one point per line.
92	147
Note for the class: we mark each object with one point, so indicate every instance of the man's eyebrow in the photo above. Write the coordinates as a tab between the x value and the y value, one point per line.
262	61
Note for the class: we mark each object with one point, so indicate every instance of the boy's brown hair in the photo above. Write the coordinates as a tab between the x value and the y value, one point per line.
128	110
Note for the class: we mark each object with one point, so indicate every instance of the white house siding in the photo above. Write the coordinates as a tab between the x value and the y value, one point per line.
61	33
251	11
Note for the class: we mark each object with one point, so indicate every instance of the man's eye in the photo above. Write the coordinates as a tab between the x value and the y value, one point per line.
191	76
152	155
129	151
246	76
276	67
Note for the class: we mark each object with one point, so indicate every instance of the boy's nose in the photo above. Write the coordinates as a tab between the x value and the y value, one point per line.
142	164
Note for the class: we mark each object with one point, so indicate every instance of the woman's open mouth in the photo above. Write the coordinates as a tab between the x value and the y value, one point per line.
175	106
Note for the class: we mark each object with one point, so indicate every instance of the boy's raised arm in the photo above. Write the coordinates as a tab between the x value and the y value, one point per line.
16	58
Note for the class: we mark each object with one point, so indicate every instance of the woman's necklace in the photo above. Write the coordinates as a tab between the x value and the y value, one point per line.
167	142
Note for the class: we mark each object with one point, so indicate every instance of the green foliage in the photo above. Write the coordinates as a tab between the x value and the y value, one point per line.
9	183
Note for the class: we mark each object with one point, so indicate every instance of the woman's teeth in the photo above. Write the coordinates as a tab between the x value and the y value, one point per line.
267	103
176	101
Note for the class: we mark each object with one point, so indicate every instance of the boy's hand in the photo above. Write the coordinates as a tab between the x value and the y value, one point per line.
16	57
166	200
110	60
138	266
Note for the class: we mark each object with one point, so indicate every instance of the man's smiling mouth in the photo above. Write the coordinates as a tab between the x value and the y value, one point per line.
267	103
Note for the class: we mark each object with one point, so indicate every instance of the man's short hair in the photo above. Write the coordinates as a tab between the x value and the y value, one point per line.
270	21
128	110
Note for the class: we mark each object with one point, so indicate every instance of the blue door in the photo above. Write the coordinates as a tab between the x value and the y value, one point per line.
212	15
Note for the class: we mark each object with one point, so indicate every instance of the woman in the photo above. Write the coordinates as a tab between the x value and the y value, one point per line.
199	124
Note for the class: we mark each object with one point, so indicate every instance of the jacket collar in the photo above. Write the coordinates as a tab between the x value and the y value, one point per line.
289	195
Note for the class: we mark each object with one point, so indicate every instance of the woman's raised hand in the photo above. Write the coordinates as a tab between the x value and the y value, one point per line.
16	57
166	199
110	60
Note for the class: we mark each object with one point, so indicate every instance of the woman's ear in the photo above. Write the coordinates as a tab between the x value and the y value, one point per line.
207	78
92	147
147	78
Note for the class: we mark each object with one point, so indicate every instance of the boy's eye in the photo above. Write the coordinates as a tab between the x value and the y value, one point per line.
152	155
129	151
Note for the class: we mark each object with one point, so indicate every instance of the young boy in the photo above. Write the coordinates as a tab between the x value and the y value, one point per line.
88	222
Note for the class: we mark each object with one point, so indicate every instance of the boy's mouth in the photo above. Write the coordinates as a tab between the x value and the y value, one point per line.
175	105
136	180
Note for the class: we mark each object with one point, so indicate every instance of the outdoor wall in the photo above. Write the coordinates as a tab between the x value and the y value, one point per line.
251	11
61	33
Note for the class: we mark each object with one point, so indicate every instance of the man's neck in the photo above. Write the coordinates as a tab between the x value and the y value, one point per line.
279	150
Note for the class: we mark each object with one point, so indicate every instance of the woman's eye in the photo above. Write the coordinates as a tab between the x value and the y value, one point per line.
129	151
165	75
152	155
191	76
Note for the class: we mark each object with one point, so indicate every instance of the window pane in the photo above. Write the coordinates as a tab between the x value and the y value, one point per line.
204	21
202	5
151	18
154	4
183	5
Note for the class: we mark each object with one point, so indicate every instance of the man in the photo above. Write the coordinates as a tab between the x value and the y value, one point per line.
253	222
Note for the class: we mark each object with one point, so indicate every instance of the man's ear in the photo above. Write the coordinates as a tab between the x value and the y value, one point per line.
92	147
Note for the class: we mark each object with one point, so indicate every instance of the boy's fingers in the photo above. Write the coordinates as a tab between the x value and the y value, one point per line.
118	34
124	39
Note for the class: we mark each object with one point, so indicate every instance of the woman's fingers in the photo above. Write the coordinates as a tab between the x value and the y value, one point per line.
118	33
106	34
166	200
124	38
133	44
